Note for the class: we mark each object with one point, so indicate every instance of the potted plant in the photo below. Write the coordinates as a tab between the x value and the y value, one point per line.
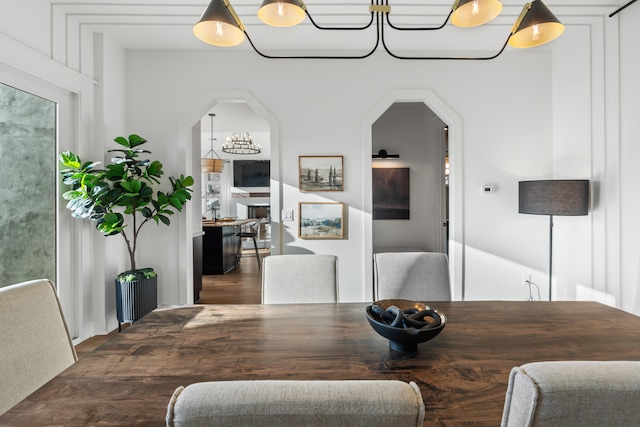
120	199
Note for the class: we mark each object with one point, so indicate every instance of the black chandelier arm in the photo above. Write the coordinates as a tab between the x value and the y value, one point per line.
418	28
622	8
366	55
319	27
454	58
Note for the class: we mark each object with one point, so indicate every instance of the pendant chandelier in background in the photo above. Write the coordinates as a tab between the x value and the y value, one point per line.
219	25
241	143
209	163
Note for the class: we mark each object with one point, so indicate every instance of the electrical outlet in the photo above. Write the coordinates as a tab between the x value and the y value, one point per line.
287	214
526	279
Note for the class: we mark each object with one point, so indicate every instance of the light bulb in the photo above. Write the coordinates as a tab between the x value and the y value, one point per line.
535	35
281	13
471	13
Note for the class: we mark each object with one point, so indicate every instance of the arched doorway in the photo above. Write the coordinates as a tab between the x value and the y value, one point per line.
456	225
409	187
190	142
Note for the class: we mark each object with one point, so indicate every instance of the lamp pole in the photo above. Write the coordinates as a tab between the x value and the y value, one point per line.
550	254
567	197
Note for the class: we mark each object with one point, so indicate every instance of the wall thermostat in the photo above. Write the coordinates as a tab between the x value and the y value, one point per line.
489	189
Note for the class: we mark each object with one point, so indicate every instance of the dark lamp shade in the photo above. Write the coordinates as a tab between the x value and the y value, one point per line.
538	26
569	197
218	27
281	13
471	13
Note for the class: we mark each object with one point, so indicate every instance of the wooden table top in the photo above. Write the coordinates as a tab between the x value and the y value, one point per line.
462	373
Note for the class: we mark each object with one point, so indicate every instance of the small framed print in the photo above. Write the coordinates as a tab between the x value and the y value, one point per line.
321	220
320	173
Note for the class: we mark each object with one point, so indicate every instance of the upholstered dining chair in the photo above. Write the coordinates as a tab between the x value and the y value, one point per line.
300	278
35	343
289	403
419	276
573	394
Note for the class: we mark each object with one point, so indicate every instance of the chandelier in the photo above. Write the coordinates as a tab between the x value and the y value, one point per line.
219	25
211	164
241	143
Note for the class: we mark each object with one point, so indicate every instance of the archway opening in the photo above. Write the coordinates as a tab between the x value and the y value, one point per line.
409	191
453	191
196	131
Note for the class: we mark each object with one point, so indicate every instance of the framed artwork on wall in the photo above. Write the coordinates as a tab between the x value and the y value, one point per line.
323	220
320	173
390	193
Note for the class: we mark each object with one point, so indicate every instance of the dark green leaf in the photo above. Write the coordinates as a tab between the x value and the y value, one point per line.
175	202
135	140
122	141
188	181
132	186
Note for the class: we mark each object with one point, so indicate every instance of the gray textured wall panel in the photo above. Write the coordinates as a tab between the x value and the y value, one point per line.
27	186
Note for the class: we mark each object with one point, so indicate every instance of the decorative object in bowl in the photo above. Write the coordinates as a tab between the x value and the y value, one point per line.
405	323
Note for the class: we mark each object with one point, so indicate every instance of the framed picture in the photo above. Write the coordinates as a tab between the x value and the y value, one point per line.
321	220
390	193
320	173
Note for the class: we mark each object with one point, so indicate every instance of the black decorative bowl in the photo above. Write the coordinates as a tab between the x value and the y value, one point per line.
405	339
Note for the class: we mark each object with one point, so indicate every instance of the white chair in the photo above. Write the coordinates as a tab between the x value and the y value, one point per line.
573	394
418	276
35	342
366	403
294	279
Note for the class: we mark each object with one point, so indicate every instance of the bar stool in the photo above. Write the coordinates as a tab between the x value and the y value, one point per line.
249	231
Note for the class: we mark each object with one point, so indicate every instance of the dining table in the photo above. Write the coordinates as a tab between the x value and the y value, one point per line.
462	373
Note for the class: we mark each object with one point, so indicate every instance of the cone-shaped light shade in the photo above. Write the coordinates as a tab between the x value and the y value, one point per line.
218	27
471	13
538	26
281	13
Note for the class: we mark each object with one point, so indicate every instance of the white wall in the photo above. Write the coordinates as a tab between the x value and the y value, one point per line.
629	159
320	112
109	70
35	34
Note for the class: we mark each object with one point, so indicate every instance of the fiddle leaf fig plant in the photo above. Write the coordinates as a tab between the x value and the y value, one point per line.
120	198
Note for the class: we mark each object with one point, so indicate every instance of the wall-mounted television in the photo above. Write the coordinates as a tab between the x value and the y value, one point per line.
251	173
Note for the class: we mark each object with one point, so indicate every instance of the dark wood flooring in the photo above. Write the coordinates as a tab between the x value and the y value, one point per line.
243	285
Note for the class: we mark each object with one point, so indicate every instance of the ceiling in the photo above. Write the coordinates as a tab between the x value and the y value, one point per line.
167	24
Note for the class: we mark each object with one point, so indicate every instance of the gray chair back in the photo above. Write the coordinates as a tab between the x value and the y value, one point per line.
573	394
418	276
296	279
34	339
348	403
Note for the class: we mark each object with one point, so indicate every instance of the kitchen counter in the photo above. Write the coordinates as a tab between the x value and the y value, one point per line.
224	223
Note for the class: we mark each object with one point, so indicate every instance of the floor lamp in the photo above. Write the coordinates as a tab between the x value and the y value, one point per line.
567	197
